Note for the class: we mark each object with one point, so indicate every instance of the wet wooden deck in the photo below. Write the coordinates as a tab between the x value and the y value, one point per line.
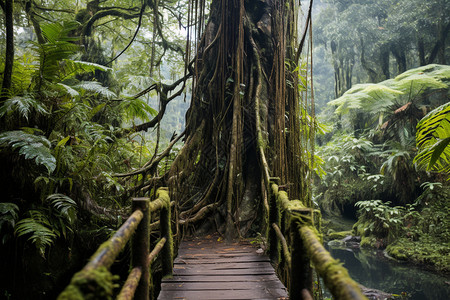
208	268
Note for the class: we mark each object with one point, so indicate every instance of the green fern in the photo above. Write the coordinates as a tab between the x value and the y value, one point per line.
96	88
64	205
136	108
8	217
433	139
55	55
70	68
374	98
32	147
24	106
39	230
365	96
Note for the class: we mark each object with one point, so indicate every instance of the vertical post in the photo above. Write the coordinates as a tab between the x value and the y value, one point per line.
274	217
301	273
166	231
140	247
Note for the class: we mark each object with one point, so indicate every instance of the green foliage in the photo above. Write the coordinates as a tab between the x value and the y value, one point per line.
369	97
8	218
433	138
380	219
64	205
136	108
55	219
39	230
22	106
375	99
32	147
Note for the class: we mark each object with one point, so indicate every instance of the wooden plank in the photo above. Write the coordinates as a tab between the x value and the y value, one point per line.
226	285
223	294
223	265
223	278
211	269
187	261
190	272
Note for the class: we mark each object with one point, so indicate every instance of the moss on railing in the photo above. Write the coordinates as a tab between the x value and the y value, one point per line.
296	221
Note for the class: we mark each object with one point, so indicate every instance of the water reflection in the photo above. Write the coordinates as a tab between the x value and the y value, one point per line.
373	270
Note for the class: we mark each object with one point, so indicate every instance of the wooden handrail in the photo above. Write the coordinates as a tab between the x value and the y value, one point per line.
292	228
95	281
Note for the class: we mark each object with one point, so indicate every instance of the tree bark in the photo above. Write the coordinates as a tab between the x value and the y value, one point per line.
241	96
9	55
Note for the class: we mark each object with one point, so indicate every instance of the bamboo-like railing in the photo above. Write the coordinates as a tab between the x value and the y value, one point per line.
294	242
95	281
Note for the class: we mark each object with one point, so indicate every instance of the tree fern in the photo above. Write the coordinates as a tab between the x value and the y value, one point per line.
96	88
39	230
23	106
374	98
366	96
433	139
31	147
55	55
70	68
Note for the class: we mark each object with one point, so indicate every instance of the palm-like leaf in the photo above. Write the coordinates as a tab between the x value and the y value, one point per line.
433	139
136	108
55	63
38	227
369	96
32	147
24	105
375	98
96	88
64	205
70	68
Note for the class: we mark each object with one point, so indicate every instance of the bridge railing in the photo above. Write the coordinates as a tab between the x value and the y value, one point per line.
294	242
95	281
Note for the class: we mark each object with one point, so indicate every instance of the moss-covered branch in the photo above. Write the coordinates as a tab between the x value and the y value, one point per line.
334	274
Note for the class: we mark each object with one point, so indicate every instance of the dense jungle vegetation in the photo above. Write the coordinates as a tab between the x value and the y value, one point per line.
385	145
94	105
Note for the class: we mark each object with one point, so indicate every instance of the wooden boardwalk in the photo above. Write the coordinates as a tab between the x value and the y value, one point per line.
210	269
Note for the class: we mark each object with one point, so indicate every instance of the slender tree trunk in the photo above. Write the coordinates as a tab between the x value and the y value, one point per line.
421	49
400	57
9	55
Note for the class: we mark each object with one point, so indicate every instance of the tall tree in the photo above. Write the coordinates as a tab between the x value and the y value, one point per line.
7	7
243	123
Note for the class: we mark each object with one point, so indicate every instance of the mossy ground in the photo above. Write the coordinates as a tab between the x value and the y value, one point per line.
426	252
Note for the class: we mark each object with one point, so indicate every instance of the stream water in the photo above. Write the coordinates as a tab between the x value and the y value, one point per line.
373	270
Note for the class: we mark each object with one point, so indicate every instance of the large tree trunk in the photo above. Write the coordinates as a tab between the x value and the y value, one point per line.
9	54
241	113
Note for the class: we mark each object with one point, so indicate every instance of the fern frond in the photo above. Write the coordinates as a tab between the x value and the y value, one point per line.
24	106
70	68
8	214
39	229
32	147
64	205
136	108
433	140
96	88
70	91
53	32
368	96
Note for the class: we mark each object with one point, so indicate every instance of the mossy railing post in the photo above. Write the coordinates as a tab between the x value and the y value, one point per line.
274	217
300	272
140	247
166	231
